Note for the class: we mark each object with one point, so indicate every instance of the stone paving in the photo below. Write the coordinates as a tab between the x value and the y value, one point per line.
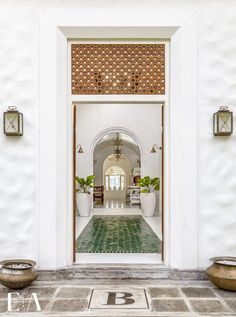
118	298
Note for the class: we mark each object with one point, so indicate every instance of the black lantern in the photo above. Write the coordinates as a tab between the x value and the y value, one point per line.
13	122
223	122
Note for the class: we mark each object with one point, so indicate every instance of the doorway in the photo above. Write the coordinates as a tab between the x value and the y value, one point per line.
117	169
117	150
180	210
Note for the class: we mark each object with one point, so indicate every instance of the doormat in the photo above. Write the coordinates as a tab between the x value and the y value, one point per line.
118	234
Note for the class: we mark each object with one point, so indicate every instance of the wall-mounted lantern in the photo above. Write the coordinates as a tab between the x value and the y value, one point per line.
80	149
13	122
223	122
155	148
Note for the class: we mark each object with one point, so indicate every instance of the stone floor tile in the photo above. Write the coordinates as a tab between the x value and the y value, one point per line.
69	305
164	292
41	292
225	294
169	305
3	292
203	292
207	306
3	306
17	305
22	305
73	292
29	306
232	304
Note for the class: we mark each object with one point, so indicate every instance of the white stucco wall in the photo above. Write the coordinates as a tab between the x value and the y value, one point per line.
19	82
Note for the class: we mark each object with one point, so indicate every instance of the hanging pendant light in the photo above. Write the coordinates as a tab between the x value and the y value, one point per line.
117	142
117	155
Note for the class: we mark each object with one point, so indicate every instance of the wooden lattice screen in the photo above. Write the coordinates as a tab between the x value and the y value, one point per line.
118	69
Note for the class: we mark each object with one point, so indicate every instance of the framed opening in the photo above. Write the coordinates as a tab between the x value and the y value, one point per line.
104	44
123	150
55	171
119	206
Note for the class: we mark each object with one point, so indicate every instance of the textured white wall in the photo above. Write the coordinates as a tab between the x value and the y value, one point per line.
19	82
217	155
19	155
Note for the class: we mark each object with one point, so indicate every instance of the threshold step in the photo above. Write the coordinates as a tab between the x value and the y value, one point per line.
120	271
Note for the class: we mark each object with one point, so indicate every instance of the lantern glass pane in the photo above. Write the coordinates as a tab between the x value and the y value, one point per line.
224	122
12	122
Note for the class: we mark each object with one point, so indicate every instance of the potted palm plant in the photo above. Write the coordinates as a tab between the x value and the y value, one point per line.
148	195
83	196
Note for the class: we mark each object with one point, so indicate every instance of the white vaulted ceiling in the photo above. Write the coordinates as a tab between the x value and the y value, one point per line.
107	142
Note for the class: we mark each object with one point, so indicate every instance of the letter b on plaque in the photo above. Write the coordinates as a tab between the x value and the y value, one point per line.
127	298
119	298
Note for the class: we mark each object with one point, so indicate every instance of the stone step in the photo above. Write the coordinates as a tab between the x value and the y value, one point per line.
121	271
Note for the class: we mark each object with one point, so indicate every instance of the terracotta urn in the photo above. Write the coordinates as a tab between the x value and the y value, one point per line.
222	272
17	274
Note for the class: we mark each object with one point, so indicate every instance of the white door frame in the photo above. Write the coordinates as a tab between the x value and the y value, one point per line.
55	192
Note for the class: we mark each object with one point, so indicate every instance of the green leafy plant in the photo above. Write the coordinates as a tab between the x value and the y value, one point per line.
149	184
84	183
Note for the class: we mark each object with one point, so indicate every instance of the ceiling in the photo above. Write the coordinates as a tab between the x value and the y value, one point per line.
122	136
107	141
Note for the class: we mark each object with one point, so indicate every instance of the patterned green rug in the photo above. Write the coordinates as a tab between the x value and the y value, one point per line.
118	234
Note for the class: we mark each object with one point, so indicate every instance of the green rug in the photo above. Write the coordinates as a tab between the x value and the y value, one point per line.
118	234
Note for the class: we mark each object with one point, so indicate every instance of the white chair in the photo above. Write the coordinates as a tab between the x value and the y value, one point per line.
135	196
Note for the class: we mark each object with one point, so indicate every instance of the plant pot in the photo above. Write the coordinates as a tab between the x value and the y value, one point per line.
17	274
148	203
84	204
222	272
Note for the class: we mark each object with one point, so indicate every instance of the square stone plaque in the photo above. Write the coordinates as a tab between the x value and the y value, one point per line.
118	299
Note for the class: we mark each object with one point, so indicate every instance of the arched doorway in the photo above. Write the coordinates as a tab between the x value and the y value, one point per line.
117	169
116	179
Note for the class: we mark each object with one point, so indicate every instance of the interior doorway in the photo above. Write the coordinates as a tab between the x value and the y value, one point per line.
118	150
117	170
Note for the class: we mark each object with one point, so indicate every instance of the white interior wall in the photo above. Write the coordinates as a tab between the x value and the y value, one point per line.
128	116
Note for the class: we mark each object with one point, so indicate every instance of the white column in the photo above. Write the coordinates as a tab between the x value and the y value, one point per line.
183	147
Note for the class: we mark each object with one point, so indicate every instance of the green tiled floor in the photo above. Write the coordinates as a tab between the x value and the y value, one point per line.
118	234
